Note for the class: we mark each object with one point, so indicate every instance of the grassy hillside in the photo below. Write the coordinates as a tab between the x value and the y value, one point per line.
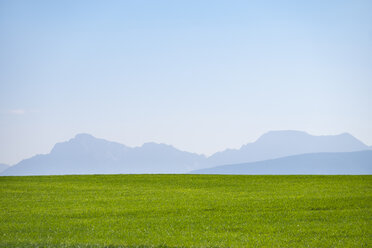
186	211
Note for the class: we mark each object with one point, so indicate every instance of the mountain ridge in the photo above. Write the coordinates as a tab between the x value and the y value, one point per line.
86	154
275	144
342	163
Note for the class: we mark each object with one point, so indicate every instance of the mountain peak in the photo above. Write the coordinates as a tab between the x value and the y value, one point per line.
286	135
83	136
282	134
85	143
154	144
286	132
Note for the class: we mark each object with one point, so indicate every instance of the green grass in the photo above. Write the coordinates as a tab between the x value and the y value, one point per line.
186	211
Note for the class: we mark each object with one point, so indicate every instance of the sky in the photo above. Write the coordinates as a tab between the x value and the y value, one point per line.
202	76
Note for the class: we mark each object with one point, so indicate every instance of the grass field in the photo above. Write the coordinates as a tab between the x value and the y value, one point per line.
186	211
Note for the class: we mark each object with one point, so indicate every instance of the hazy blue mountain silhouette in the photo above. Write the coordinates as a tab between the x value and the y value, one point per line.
3	167
86	154
343	163
276	144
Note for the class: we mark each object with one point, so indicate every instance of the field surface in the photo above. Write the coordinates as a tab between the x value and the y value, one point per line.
186	211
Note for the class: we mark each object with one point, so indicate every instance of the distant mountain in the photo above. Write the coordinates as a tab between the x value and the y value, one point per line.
344	163
86	154
3	167
276	144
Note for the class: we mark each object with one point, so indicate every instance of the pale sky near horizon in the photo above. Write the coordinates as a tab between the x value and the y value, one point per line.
200	75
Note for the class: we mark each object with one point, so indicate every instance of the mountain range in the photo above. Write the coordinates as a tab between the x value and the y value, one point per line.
276	144
343	163
85	154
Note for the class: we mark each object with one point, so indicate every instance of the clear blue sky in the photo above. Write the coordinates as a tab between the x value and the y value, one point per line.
200	75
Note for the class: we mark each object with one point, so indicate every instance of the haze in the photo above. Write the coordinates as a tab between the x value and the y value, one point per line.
200	75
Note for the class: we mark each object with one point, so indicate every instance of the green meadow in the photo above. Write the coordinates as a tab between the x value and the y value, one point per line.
186	211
